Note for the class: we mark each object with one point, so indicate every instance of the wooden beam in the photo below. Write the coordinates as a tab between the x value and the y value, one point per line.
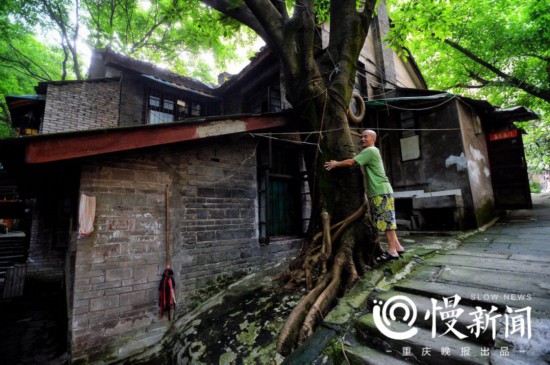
67	146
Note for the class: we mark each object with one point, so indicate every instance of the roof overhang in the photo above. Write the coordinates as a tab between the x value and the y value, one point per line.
66	146
515	114
22	103
179	87
419	99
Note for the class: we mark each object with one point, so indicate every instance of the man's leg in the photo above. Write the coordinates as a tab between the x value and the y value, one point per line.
393	242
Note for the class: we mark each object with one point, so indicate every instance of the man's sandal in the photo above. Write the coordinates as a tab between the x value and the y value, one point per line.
401	253
385	257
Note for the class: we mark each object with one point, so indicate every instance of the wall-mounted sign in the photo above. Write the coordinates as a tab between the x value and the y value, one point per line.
503	135
410	148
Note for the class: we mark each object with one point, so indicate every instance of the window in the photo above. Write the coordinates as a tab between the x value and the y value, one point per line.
166	108
266	99
279	190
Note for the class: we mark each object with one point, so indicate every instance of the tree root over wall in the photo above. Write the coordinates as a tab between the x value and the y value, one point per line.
334	246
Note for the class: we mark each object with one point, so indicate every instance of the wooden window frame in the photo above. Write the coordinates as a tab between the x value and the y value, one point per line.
265	179
182	107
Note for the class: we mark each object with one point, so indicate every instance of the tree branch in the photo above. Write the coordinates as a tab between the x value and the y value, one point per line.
280	5
241	13
346	41
510	80
58	17
272	21
23	59
18	66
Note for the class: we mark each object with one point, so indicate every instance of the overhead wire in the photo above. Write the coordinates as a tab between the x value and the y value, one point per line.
363	73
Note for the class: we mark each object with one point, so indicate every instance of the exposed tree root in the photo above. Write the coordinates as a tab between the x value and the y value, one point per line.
337	243
329	293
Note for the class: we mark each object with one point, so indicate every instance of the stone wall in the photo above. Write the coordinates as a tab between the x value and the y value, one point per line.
82	105
213	236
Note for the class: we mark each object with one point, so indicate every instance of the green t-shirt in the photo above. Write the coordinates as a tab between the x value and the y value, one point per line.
377	181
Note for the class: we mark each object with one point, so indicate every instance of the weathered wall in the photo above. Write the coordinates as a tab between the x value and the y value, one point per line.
132	92
442	164
439	138
76	106
213	235
405	74
383	54
475	151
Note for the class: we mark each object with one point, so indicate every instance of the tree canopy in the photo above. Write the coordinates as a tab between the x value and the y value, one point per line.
498	50
44	40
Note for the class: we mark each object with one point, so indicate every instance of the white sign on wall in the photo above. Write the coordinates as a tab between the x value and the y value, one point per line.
410	148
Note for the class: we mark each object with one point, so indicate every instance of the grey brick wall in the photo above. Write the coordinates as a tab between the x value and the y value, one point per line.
131	102
214	232
82	105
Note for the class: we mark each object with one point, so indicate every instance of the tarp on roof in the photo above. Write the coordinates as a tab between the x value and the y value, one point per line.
180	87
408	99
482	107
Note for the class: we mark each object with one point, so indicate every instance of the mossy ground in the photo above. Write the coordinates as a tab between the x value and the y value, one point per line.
241	330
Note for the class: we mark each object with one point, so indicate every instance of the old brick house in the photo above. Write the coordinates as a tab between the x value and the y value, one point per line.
452	160
140	139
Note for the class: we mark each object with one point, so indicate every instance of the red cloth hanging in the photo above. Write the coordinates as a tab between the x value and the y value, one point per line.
167	295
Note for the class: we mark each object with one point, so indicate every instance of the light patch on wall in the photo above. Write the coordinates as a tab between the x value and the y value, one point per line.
476	154
487	172
221	128
460	162
474	171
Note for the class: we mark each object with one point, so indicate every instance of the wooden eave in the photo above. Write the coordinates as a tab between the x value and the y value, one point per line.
65	146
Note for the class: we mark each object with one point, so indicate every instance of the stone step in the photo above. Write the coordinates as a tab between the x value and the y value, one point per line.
442	349
473	296
424	305
494	263
534	284
475	251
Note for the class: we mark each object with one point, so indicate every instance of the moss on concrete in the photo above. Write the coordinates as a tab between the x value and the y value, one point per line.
214	287
244	325
485	213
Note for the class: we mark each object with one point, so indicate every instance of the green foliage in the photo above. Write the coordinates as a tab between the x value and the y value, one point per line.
535	187
537	144
24	61
6	131
335	351
511	37
38	37
166	32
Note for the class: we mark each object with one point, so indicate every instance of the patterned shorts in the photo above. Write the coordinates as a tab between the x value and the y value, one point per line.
383	212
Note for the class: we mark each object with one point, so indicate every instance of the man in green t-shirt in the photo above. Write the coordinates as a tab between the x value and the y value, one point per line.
379	192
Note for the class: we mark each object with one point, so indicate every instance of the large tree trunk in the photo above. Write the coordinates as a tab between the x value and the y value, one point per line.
319	85
337	254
